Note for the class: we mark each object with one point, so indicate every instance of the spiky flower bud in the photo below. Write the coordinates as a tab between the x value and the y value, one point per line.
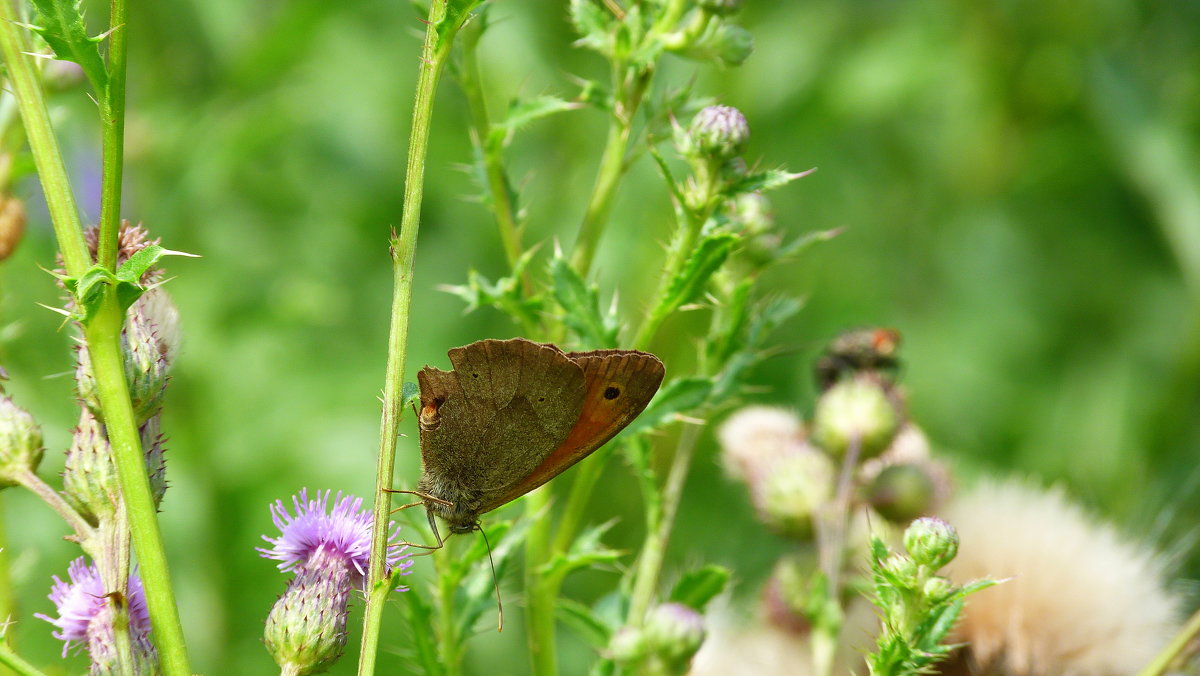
720	132
931	542
20	442
12	224
937	588
674	632
148	342
787	496
90	482
306	629
901	493
721	7
855	411
627	646
785	596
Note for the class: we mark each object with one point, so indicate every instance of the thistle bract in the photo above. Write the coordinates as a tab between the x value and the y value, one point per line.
931	542
20	442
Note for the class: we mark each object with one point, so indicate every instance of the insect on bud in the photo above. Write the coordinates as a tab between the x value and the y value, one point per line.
931	542
856	410
20	442
718	131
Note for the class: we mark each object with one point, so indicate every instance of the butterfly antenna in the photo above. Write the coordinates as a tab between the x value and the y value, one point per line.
495	581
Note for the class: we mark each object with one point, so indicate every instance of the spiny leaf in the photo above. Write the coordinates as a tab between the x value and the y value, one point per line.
64	30
594	25
587	550
580	302
706	259
679	395
696	588
522	112
762	181
586	624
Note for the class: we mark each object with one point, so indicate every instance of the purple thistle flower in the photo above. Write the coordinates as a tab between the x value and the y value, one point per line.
85	614
342	533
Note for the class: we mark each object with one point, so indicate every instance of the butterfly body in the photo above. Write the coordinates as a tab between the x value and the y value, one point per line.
513	414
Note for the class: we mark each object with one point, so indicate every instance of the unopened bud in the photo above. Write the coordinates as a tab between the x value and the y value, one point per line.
931	542
901	493
753	438
855	411
718	131
787	496
20	442
732	44
627	646
937	588
306	629
12	224
674	631
785	597
90	477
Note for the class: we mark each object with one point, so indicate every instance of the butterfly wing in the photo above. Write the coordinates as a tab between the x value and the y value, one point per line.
506	405
618	386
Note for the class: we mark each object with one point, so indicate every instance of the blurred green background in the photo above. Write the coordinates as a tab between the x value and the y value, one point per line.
1019	182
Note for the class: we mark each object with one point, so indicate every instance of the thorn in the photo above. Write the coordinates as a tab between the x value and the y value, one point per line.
57	310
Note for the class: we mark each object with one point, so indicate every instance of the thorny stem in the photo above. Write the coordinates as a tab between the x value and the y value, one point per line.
654	549
403	247
1186	636
103	337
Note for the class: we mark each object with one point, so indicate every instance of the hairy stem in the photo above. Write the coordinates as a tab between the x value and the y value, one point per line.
103	335
13	661
654	550
50	168
112	121
34	484
435	50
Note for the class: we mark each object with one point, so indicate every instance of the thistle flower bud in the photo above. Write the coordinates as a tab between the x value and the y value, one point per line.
20	442
785	596
937	588
674	632
752	212
754	437
717	131
901	493
901	566
732	44
721	7
627	646
931	542
787	496
12	224
306	629
148	342
90	478
90	482
856	410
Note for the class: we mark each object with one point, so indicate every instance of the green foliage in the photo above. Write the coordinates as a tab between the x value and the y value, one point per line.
580	303
88	289
697	587
62	27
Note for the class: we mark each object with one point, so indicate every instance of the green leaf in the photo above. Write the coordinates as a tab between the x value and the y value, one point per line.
424	645
522	112
696	588
410	395
64	30
762	181
88	291
727	334
678	396
580	302
706	259
586	551
506	294
129	275
586	624
594	25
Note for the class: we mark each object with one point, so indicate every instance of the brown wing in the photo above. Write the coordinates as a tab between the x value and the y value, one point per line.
506	405
620	383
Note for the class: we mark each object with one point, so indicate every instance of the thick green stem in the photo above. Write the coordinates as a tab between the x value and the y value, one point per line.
403	249
13	661
1186	636
112	121
104	345
51	171
541	592
450	644
103	336
654	550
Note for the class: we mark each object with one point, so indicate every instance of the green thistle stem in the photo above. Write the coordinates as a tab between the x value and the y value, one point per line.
541	592
112	121
1162	662
13	661
450	644
103	336
654	549
435	51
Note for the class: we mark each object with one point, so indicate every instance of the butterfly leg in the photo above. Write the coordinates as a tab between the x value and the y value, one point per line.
425	499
